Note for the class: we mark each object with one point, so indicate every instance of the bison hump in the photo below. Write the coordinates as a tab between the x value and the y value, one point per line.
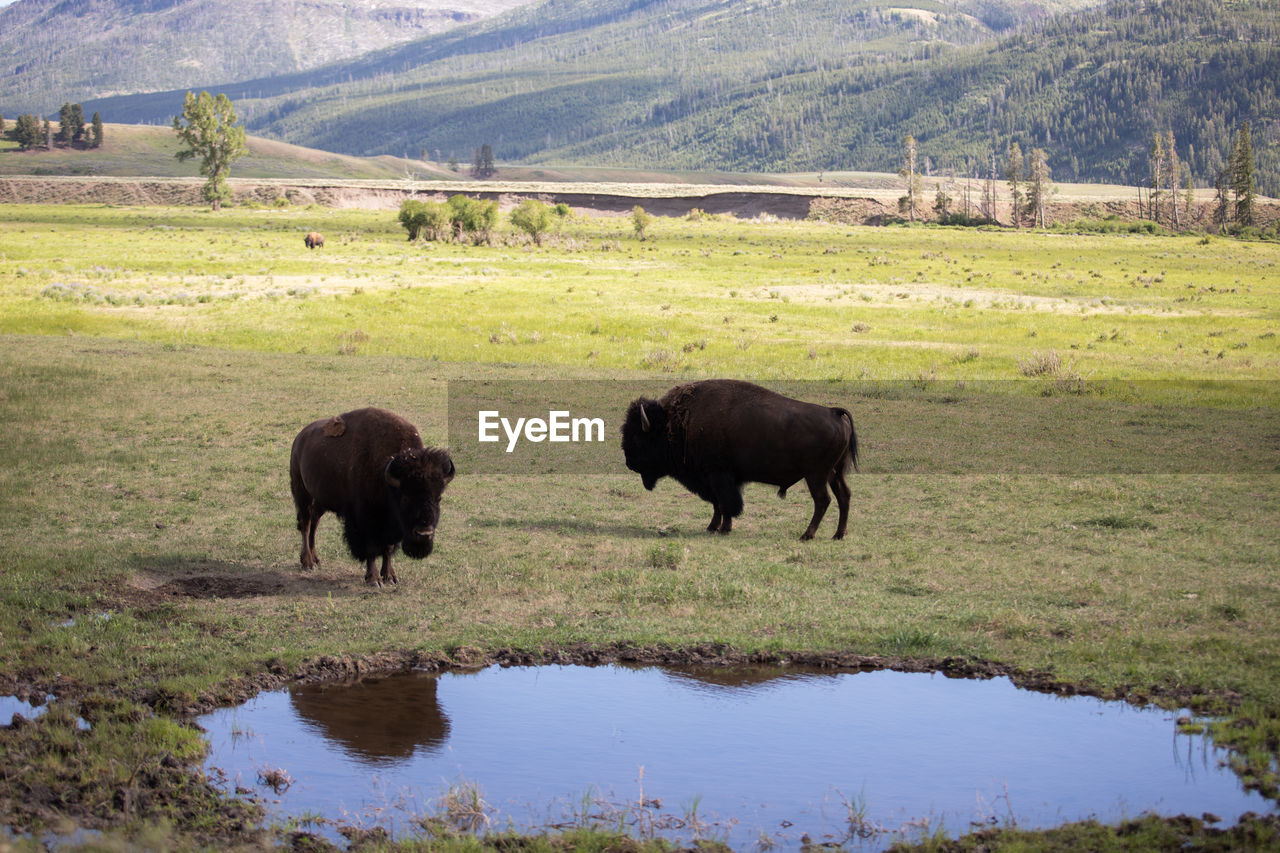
335	426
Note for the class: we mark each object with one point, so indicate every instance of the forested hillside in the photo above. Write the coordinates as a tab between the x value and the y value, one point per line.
784	85
779	86
74	50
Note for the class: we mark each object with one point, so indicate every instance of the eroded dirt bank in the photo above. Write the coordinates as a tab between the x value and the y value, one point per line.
846	206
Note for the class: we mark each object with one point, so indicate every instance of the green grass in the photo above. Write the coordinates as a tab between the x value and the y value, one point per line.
155	364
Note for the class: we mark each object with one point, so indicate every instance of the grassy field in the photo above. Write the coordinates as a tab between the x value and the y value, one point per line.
1070	464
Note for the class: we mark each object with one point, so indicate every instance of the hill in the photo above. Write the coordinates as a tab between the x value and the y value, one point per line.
74	50
780	86
783	86
138	150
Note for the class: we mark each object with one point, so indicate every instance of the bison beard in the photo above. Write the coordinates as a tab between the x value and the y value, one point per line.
369	467
716	435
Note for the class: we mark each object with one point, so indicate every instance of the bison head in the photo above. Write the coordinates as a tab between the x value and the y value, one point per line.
417	479
644	440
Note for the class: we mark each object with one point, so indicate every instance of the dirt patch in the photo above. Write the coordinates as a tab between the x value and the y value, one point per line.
220	587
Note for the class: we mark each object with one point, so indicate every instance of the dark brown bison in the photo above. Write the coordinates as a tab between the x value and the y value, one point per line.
314	240
715	435
369	467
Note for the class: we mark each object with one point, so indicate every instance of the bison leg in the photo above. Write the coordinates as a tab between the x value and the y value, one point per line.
821	500
308	521
728	502
371	574
841	488
388	573
714	526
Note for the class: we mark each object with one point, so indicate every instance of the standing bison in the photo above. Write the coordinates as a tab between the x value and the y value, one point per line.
314	239
715	435
369	467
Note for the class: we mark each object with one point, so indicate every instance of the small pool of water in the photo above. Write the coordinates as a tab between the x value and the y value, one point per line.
750	756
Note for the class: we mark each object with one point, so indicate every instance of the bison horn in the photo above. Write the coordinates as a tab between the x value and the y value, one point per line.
644	418
448	467
391	479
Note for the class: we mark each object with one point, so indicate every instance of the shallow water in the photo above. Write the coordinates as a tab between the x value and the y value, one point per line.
734	754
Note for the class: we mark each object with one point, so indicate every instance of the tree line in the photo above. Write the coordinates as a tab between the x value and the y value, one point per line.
1169	190
32	132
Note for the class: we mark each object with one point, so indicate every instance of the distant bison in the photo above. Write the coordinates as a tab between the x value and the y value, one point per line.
314	240
715	435
369	467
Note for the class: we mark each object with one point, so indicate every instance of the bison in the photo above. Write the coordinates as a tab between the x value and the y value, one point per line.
314	240
713	436
369	466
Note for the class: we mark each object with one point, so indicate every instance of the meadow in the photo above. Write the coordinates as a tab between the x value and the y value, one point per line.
1069	472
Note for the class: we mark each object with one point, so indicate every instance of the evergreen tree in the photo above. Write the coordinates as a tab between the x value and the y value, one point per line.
482	167
48	134
95	136
1221	201
1013	174
1158	161
1174	171
1242	166
26	131
1038	186
1188	191
989	189
211	134
907	171
70	123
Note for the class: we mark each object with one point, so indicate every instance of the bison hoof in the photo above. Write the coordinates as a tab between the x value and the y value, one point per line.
806	536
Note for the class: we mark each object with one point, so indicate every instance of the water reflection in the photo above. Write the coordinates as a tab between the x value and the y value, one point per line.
741	755
374	720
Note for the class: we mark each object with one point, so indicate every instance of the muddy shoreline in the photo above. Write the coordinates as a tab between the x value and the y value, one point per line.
351	667
179	788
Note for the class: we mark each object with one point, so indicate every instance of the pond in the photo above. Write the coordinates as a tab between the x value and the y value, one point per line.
759	756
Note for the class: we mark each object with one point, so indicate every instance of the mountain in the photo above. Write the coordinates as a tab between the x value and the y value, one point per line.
75	50
797	85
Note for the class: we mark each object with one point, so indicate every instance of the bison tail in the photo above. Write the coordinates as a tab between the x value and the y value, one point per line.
851	458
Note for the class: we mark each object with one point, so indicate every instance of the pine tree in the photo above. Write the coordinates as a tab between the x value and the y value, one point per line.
1158	161
482	166
907	171
1174	172
1221	201
1013	174
1242	167
70	123
26	131
95	135
1038	186
1188	191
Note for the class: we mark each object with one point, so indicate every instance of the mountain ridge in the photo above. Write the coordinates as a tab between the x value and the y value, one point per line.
776	85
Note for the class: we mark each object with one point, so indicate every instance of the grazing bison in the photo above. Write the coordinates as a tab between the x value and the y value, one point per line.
715	435
314	240
369	467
